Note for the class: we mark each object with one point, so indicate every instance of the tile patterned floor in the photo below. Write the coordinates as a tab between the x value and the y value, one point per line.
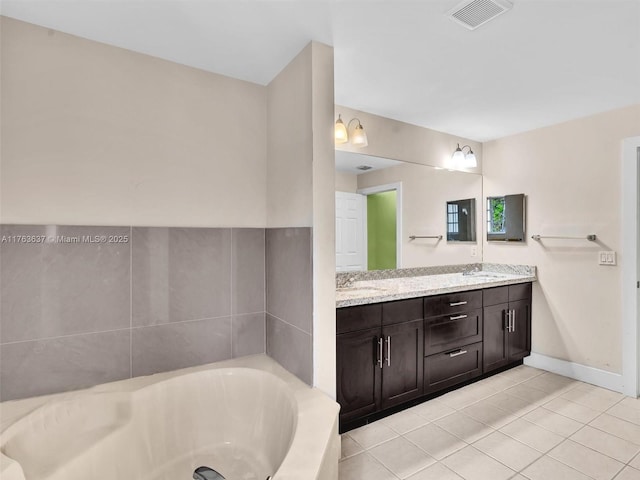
520	424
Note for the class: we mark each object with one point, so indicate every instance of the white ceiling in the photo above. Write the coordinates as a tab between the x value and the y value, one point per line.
541	63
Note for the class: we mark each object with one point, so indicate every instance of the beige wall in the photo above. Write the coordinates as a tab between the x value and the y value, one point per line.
324	240
289	145
346	182
571	175
425	192
94	134
402	141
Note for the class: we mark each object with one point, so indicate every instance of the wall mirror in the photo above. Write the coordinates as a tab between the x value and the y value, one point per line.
461	220
381	203
506	218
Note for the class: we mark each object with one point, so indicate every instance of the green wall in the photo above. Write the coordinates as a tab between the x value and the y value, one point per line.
381	230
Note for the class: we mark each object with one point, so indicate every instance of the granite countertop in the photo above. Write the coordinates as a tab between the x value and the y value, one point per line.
363	292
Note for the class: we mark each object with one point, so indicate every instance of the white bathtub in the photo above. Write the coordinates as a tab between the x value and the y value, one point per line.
247	418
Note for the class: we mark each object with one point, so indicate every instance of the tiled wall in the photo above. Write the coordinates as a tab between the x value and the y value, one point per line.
290	299
153	299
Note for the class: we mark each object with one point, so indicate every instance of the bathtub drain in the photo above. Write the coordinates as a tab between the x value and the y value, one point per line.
206	473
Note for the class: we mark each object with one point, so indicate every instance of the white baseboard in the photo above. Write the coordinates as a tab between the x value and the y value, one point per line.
577	371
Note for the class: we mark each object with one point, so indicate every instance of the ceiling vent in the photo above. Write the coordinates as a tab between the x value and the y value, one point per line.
364	167
474	13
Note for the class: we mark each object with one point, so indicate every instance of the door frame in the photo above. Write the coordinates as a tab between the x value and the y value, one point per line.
397	186
630	264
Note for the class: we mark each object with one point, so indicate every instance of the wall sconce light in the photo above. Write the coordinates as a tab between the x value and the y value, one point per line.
459	159
358	136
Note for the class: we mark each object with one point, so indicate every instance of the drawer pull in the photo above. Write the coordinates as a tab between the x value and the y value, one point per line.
457	304
457	353
458	317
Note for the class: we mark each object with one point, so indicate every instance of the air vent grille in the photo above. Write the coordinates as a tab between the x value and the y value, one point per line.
474	13
364	167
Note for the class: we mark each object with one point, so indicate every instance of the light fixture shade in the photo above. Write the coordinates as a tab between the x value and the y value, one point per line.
341	131
359	137
457	159
470	160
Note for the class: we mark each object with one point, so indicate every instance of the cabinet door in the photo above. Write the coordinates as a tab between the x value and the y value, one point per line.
358	373
495	353
402	377
519	344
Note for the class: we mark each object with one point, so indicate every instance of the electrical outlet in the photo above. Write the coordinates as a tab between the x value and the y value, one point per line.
607	258
474	251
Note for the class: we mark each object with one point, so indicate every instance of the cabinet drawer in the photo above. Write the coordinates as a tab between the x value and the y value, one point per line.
451	331
351	319
452	303
520	291
495	295
402	311
446	369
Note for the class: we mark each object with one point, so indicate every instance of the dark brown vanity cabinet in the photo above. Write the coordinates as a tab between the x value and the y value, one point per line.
452	339
507	325
393	352
379	356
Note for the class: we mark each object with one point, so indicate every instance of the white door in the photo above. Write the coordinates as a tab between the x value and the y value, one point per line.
350	224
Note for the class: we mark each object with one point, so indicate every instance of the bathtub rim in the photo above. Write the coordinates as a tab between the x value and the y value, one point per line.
314	441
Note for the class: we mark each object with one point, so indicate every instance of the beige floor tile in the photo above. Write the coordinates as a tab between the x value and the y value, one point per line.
553	421
603	442
472	464
432	410
405	421
585	460
546	468
437	471
521	373
514	405
487	413
532	435
625	412
435	441
552	383
464	427
575	411
464	397
498	383
629	473
593	397
349	447
363	466
531	395
635	463
620	428
372	434
630	402
505	449
402	457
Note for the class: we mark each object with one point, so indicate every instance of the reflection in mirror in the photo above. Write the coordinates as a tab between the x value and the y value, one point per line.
506	218
381	203
461	220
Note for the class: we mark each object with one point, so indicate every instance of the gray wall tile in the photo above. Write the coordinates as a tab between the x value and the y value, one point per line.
289	276
291	348
179	345
61	364
53	288
248	279
248	334
180	274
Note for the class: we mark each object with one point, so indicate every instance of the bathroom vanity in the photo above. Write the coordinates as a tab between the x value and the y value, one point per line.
403	340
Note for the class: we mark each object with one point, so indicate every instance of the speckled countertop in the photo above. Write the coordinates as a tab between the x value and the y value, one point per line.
365	291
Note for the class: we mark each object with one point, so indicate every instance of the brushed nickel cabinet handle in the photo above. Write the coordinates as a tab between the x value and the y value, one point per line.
455	354
458	317
507	320
388	351
513	320
380	352
457	304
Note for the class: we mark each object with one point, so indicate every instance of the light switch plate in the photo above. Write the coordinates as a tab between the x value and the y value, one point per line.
607	258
